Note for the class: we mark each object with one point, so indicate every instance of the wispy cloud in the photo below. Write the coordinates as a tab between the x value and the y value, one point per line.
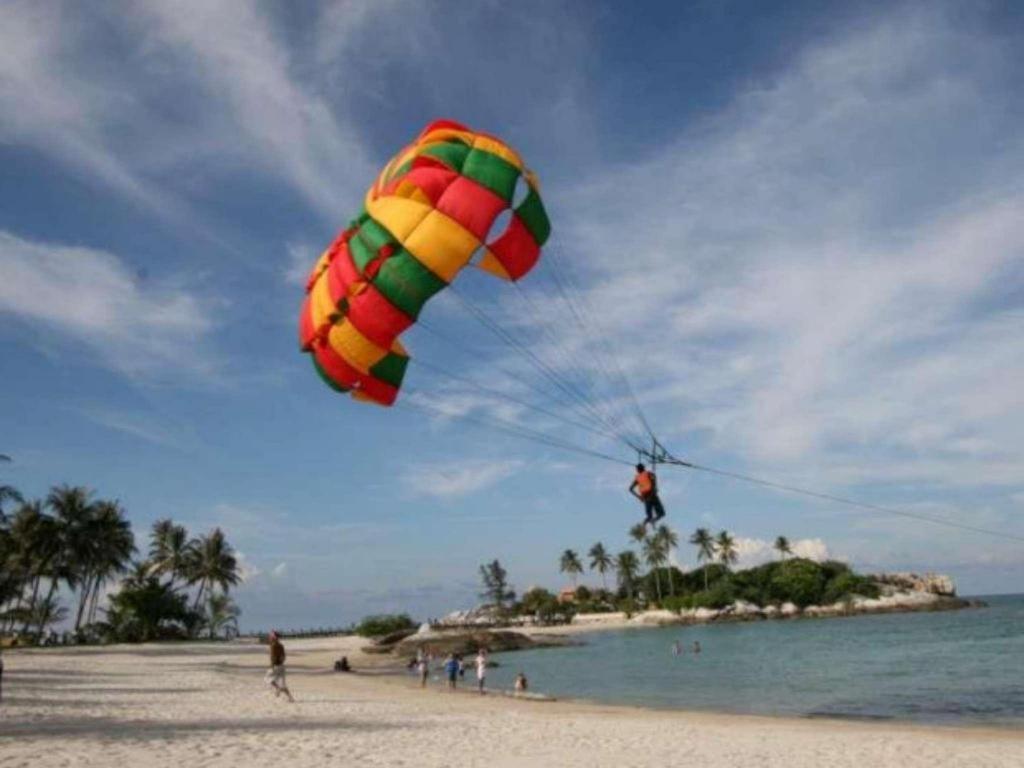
444	481
137	425
91	299
813	287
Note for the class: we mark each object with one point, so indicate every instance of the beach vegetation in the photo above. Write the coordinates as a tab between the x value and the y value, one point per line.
144	609
570	563
384	624
601	562
782	546
725	549
222	616
544	606
705	545
668	540
73	542
627	568
497	589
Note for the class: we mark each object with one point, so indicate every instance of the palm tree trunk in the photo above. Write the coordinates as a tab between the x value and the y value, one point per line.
705	577
95	600
49	596
82	598
31	606
199	595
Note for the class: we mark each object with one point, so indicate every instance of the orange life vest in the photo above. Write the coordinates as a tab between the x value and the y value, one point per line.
644	482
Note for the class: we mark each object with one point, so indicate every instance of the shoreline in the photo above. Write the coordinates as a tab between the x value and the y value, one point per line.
205	705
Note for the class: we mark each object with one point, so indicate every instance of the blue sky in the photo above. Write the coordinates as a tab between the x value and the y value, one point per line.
800	224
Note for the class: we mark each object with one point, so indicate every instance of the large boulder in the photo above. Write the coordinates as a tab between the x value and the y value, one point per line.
788	609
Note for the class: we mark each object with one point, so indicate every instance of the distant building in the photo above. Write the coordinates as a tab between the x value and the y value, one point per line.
567	595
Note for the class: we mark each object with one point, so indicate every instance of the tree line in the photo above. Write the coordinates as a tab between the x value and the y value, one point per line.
713	585
74	541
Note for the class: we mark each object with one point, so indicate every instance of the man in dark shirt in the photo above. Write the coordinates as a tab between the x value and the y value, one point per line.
275	675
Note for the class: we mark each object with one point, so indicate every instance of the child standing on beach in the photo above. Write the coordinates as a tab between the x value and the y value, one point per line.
275	675
451	668
423	666
481	669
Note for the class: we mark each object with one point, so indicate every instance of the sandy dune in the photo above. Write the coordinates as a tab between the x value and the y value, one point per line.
205	705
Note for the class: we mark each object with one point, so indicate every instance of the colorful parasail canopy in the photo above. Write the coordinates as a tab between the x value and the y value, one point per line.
428	214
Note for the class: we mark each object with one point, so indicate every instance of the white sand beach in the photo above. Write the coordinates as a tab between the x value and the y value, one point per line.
206	705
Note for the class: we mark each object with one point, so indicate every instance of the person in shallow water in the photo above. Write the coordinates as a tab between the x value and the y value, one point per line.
645	488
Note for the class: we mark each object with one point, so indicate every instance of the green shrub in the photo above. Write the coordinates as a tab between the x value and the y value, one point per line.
847	584
719	596
384	624
798	581
678	603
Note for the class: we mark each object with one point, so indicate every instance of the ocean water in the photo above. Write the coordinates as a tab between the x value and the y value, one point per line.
954	667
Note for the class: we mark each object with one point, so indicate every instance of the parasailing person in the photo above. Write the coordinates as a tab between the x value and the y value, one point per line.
645	488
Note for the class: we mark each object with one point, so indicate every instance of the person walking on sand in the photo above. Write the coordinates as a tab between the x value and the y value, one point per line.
451	669
423	666
481	669
275	675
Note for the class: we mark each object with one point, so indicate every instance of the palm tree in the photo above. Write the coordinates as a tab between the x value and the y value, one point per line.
655	554
638	533
570	563
114	549
783	547
212	563
669	541
626	565
726	548
25	557
222	613
600	561
37	547
701	539
72	506
8	493
47	612
169	549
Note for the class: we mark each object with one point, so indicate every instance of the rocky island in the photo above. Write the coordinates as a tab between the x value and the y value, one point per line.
785	590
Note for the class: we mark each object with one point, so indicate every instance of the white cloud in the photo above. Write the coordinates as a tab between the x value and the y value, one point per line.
246	570
753	551
299	262
93	299
812	287
279	571
444	481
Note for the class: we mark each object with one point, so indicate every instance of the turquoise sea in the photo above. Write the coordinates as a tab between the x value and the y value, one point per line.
955	667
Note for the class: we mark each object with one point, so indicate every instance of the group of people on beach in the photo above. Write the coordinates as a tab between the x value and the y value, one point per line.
454	668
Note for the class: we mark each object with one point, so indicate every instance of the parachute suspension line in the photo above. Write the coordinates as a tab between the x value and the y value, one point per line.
669	459
546	395
571	356
539	364
461	346
567	289
513	399
508	427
